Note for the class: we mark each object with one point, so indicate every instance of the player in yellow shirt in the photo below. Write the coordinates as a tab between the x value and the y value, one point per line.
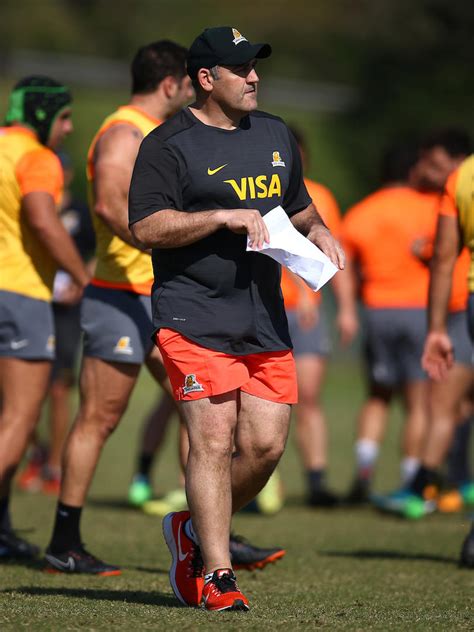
33	243
116	310
455	229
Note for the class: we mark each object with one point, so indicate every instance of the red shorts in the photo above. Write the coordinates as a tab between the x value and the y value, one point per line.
196	372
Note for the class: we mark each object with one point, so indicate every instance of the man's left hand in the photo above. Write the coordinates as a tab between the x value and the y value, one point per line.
322	238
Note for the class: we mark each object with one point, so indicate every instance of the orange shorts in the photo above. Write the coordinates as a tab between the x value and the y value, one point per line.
196	372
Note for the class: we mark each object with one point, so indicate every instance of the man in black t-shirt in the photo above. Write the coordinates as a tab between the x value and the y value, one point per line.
202	183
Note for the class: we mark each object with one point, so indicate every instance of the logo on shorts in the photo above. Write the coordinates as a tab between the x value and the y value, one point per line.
51	343
238	37
191	385
123	346
276	160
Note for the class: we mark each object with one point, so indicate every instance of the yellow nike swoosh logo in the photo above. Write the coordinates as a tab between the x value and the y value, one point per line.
211	172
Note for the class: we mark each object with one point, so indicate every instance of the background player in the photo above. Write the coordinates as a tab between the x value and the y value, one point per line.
311	346
34	244
116	317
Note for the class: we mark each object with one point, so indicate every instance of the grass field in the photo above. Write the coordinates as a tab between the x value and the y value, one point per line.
345	569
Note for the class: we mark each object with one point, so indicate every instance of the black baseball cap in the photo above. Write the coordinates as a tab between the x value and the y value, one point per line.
224	46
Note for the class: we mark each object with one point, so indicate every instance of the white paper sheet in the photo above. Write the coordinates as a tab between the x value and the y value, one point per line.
295	252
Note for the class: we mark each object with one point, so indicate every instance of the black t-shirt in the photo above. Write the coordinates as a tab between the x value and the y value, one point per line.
213	291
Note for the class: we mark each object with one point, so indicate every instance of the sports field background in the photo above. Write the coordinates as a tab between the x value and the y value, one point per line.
345	569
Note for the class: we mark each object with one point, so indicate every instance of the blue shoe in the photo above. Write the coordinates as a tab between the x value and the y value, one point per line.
403	502
140	490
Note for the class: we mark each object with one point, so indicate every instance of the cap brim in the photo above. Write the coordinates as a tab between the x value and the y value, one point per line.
246	54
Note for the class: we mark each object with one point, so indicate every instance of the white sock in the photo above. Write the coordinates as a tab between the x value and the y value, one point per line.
408	468
189	531
367	452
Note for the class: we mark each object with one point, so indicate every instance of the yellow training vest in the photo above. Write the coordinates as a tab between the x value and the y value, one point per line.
119	265
26	166
464	196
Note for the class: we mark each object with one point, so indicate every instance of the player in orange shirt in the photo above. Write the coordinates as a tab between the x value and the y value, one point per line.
311	347
34	244
379	234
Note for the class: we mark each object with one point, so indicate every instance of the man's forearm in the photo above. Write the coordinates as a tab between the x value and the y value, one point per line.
439	293
172	229
308	219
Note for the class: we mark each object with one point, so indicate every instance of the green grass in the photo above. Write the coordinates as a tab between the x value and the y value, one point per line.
353	570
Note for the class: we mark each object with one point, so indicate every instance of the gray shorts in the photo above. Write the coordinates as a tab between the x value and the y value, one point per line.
117	325
26	327
394	345
459	333
314	341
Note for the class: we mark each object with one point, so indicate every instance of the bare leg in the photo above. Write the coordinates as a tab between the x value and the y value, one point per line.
23	387
311	429
59	395
105	391
445	399
260	439
211	423
416	424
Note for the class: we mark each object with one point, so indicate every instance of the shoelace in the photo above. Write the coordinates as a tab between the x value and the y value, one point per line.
225	583
197	563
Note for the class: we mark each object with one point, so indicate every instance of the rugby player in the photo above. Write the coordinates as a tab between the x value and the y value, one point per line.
201	183
34	243
455	227
311	346
115	314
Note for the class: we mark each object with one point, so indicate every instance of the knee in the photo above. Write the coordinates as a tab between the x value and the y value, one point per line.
211	445
98	422
268	450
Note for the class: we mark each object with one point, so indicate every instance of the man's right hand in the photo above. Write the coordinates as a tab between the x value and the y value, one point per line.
438	355
247	221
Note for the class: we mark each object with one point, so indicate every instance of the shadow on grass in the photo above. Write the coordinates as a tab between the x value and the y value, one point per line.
141	597
368	554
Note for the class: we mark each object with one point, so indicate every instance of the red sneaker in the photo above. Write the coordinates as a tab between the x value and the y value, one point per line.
30	479
222	593
187	568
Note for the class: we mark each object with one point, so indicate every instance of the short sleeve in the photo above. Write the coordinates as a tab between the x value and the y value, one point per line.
448	199
296	197
40	171
155	183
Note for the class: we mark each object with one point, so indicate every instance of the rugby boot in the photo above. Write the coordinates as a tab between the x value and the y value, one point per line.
78	560
14	548
249	557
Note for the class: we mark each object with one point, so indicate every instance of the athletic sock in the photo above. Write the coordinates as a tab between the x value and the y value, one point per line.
408	469
315	479
145	461
424	477
189	531
5	524
367	452
66	534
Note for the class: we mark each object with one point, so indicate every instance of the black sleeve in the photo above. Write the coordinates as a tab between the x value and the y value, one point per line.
155	181
296	197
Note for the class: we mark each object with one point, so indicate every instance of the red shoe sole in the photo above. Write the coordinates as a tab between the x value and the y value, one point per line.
56	571
271	559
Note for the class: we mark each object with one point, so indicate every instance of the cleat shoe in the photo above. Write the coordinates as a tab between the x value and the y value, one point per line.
467	551
359	494
78	560
30	479
13	547
323	497
450	501
187	568
246	556
467	491
404	503
222	593
174	500
140	490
